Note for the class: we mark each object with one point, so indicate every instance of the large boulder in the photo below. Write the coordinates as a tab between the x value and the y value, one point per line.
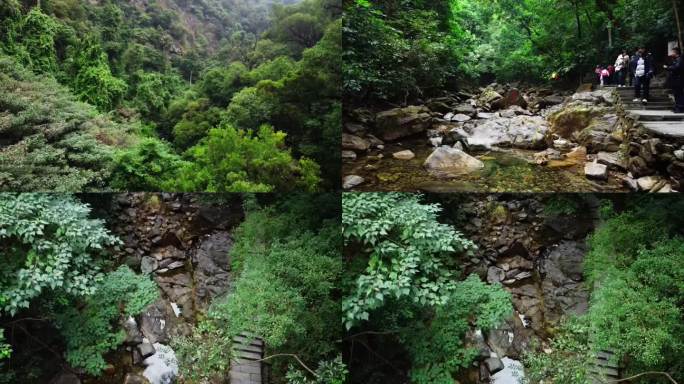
162	366
489	97
562	284
572	119
354	143
212	271
451	162
402	122
526	132
510	98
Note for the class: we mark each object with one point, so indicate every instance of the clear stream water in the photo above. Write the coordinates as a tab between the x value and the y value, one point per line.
504	171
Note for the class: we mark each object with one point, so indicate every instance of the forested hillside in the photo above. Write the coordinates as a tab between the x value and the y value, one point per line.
396	51
170	95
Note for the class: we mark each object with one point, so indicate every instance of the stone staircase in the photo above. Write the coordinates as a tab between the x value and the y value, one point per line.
246	367
656	116
604	369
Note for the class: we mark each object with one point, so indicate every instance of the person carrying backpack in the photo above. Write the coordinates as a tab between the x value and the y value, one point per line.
677	79
642	67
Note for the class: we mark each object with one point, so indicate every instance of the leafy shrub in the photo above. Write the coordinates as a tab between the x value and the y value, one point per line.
219	84
233	160
328	372
410	254
147	166
49	243
95	329
437	346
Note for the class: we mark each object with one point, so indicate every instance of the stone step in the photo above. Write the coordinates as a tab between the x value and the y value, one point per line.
652	99
605	371
247	347
646	115
665	128
248	339
663	107
249	355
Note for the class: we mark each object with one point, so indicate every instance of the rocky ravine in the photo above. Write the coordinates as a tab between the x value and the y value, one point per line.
576	134
537	257
184	243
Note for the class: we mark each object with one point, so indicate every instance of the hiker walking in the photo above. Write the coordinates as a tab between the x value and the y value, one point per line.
642	67
631	71
604	76
677	79
621	68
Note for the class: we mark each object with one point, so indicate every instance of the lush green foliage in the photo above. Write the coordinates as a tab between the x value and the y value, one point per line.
233	160
184	72
636	267
328	372
410	253
5	349
570	358
437	347
150	165
396	51
48	244
288	255
95	329
51	142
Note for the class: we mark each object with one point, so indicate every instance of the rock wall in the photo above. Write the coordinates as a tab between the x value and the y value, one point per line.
534	255
184	243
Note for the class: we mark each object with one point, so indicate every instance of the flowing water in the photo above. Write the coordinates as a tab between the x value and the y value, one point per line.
504	171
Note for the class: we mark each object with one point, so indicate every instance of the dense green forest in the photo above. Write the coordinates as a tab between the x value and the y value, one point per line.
211	95
396	51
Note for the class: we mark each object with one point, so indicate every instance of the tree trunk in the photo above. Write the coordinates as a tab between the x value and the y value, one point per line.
577	17
679	25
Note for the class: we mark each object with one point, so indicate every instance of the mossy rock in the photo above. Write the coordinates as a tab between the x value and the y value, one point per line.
566	122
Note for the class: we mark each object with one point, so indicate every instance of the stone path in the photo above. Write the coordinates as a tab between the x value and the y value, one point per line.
656	116
246	367
604	369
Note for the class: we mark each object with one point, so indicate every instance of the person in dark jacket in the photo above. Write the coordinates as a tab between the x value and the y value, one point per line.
677	79
642	67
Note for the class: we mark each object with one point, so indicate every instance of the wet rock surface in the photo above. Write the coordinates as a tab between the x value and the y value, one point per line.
489	124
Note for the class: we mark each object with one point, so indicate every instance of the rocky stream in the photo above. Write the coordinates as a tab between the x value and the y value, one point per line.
498	139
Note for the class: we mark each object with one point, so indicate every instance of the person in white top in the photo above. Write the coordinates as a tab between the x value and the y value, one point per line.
621	68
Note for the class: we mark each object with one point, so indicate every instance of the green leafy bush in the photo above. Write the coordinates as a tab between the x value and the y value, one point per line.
410	254
233	160
95	329
328	372
437	346
148	166
49	244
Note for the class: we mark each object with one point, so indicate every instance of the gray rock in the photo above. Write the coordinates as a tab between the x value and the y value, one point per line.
525	132
133	335
596	171
679	154
495	275
352	181
486	115
460	117
146	350
212	270
647	183
402	122
404	155
612	160
494	365
348	155
353	142
354	128
465	109
450	162
148	264
153	322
